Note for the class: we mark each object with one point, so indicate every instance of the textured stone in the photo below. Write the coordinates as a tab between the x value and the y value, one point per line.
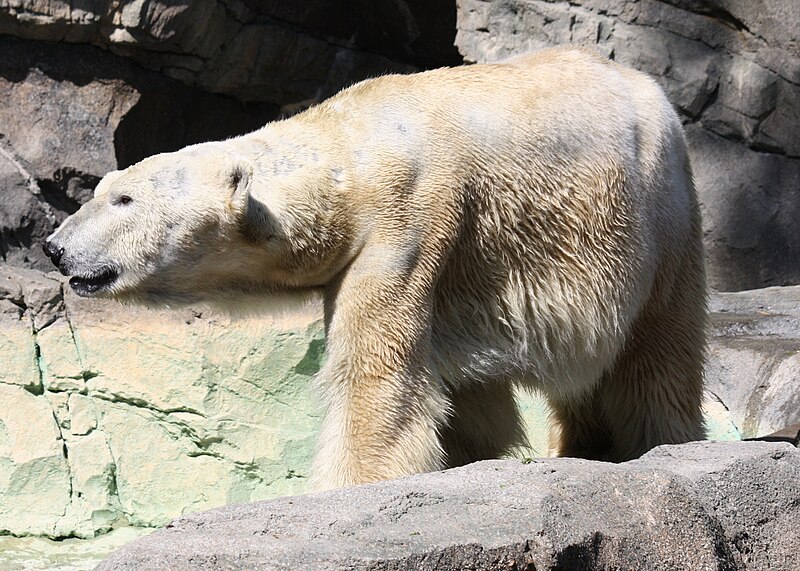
82	414
94	503
156	473
34	478
18	348
60	363
143	414
695	506
749	216
38	295
731	68
252	50
790	434
754	358
72	113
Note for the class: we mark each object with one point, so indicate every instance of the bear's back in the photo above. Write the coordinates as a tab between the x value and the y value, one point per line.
554	101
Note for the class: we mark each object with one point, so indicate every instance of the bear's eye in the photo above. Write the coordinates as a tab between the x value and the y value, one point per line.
124	199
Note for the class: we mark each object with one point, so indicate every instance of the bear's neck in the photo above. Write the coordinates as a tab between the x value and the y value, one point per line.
302	180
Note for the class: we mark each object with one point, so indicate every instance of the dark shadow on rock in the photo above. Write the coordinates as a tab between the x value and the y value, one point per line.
415	32
584	555
790	434
67	190
169	116
750	213
101	112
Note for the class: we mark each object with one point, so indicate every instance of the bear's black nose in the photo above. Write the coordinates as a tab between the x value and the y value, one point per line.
53	252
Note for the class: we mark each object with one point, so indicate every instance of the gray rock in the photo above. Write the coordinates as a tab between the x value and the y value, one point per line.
754	358
750	205
72	113
257	51
731	68
32	292
696	506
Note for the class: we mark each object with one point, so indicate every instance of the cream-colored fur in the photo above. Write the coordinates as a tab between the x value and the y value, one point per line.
529	223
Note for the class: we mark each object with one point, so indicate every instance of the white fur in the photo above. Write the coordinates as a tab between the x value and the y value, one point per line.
527	223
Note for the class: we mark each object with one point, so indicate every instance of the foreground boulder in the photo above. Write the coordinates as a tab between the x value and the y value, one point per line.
704	505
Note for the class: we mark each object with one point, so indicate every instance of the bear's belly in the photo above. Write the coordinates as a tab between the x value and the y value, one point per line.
546	336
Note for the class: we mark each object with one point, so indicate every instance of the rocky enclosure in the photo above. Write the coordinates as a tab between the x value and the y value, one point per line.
106	413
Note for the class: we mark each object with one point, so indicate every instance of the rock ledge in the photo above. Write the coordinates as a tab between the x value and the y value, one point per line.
704	505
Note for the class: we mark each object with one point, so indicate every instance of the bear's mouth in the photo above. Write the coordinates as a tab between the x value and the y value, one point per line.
99	280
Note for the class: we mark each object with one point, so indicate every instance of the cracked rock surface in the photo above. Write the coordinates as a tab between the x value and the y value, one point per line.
704	505
116	416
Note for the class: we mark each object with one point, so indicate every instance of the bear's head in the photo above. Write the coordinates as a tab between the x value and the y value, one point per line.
166	230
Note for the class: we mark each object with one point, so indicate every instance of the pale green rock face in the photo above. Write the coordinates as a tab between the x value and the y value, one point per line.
114	416
17	348
34	475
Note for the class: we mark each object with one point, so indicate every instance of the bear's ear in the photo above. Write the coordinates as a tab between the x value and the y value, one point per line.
240	177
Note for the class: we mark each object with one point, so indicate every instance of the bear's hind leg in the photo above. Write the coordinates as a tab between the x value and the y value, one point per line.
577	427
653	394
485	423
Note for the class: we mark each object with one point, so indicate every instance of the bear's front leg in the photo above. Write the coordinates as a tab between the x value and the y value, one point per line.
386	403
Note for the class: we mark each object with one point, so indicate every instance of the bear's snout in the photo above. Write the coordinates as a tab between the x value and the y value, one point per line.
53	252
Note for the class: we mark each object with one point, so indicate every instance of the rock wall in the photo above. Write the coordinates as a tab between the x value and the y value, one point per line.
731	68
98	85
115	416
281	52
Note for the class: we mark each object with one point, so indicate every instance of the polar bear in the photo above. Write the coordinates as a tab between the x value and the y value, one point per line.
528	223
